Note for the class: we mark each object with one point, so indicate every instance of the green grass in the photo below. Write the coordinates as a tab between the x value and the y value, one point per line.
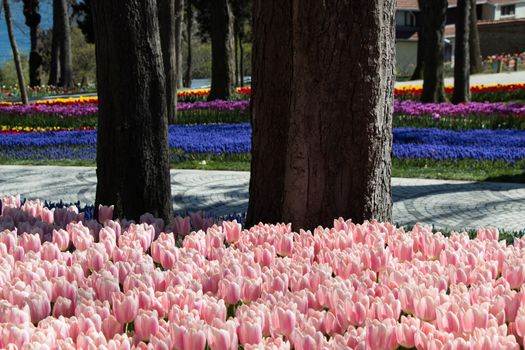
425	169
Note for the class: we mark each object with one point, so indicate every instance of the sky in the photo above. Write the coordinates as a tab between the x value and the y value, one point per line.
21	30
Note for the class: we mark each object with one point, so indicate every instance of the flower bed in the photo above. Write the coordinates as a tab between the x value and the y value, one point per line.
480	93
368	286
231	140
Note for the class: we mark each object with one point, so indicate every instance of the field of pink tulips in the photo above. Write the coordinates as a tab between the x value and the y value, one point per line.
67	282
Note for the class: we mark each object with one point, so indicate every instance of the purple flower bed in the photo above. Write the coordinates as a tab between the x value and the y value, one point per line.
414	108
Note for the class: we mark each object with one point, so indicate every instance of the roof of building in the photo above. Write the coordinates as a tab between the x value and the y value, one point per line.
412	4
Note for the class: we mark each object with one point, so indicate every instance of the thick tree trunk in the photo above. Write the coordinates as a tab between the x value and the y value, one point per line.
32	15
168	38
16	56
132	145
322	130
461	56
179	22
474	45
66	64
222	61
54	71
434	14
189	34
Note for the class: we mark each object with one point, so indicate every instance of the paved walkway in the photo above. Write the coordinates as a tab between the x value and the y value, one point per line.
445	204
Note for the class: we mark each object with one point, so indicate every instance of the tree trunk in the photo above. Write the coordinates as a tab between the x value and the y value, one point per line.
461	56
236	46
179	21
32	16
322	128
16	56
434	14
168	38
132	145
189	34
54	70
66	65
222	60
418	71
241	61
474	46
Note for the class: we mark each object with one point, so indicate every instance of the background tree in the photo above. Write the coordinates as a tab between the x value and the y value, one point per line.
179	22
132	144
474	45
222	50
66	65
418	71
167	14
433	17
189	35
32	16
16	56
462	52
322	129
242	13
84	18
54	66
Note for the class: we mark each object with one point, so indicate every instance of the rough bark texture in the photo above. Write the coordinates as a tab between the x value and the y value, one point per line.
168	38
16	56
189	34
132	145
222	50
434	14
322	111
461	56
66	64
32	16
474	44
54	70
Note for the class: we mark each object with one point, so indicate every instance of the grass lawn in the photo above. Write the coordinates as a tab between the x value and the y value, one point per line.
426	169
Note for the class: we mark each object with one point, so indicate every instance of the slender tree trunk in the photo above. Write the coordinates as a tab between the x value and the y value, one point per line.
322	130
179	21
54	71
32	16
189	35
241	60
474	46
132	144
434	18
222	51
461	56
236	45
168	38
16	56
66	65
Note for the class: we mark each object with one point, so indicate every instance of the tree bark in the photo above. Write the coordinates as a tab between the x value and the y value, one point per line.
167	12
32	16
189	34
434	14
16	56
462	52
236	46
322	111
66	64
474	45
132	145
418	71
54	71
241	61
179	21
222	61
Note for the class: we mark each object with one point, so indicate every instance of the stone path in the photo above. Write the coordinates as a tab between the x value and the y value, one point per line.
445	204
480	79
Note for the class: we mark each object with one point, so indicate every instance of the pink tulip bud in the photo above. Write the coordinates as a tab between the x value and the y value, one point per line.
61	239
250	332
218	339
63	307
105	213
125	306
232	231
182	226
146	324
230	291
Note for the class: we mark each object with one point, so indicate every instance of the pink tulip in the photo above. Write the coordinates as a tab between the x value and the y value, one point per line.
282	322
251	290
146	324
381	336
48	215
125	306
30	242
63	307
105	213
182	226
39	306
425	308
406	331
250	332
230	291
61	239
232	231
218	339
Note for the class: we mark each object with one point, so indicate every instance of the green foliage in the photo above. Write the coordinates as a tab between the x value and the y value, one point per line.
8	76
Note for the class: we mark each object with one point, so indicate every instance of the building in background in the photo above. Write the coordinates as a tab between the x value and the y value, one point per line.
501	25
